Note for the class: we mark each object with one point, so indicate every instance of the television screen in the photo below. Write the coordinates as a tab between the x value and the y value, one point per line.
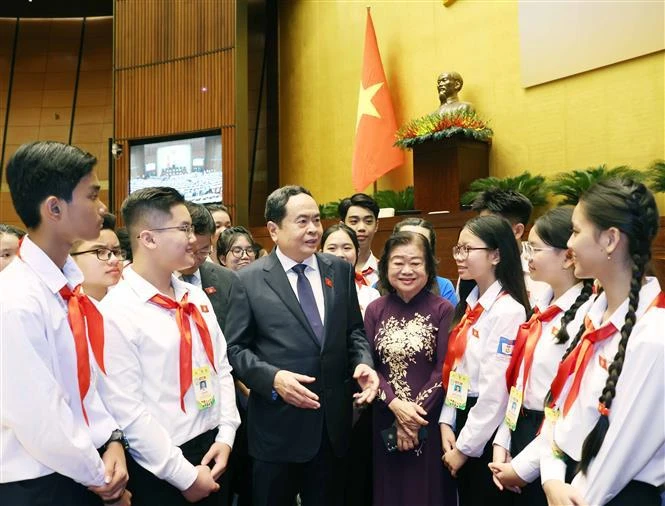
192	166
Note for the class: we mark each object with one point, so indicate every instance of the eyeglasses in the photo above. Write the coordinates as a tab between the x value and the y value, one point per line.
187	229
461	251
238	251
528	249
104	254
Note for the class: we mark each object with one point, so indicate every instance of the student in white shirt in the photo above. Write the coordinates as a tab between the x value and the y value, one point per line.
540	344
360	212
9	240
100	260
52	419
479	350
607	445
516	208
168	379
341	241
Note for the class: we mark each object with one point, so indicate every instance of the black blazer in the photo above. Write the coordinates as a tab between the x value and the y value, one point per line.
218	282
266	331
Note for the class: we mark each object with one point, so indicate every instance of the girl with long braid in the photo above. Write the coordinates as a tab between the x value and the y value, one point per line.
607	429
539	346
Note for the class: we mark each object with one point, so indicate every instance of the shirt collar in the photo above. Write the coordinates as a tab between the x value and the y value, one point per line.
46	270
372	262
648	292
196	274
288	263
489	297
567	299
146	290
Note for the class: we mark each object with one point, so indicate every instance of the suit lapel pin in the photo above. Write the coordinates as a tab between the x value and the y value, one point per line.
210	290
329	283
204	308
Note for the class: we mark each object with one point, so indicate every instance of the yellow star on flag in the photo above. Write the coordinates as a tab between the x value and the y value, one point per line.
365	105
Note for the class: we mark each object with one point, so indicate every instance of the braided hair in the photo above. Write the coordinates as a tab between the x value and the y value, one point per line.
630	207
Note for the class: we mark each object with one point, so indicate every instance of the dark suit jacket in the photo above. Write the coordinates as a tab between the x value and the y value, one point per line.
267	331
217	283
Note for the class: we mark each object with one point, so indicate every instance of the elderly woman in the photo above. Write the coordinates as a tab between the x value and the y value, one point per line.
408	331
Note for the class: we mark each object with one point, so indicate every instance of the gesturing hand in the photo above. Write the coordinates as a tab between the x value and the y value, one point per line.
289	387
368	381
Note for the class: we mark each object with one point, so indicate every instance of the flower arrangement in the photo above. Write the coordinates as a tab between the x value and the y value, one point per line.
440	126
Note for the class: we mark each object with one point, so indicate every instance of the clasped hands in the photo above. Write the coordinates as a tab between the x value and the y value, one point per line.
290	386
408	420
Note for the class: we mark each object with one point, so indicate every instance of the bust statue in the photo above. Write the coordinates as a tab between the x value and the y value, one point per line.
449	84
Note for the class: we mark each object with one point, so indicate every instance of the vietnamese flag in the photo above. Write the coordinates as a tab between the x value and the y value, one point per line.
374	153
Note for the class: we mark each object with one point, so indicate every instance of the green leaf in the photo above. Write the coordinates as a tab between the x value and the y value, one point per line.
570	185
656	176
532	187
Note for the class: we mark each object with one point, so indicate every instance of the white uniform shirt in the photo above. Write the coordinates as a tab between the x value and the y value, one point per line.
142	388
311	273
42	429
366	294
486	358
546	357
634	446
373	277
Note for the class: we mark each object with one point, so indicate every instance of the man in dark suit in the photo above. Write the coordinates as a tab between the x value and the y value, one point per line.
216	281
296	339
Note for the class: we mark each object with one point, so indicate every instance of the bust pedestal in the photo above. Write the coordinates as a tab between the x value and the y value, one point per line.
443	171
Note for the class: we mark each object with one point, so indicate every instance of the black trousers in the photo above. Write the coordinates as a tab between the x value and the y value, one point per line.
148	490
474	480
527	427
358	468
636	493
320	482
51	490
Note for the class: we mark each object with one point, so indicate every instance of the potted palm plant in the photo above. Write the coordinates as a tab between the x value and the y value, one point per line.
570	185
532	187
656	176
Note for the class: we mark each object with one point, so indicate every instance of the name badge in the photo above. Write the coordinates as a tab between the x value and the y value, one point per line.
551	414
458	390
202	382
513	408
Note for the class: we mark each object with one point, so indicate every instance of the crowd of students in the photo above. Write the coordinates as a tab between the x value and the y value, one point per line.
535	378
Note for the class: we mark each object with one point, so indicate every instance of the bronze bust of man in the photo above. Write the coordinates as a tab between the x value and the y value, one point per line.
449	84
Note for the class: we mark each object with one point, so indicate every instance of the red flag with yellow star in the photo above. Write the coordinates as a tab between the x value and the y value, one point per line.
374	153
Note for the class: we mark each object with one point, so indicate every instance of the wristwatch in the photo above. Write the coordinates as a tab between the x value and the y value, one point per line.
117	436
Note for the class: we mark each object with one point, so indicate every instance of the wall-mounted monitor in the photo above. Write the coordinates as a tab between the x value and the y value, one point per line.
192	165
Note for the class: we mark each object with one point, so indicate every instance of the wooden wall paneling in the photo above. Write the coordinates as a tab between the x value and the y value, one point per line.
174	73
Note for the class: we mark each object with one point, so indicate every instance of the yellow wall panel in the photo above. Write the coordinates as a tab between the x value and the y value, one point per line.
613	115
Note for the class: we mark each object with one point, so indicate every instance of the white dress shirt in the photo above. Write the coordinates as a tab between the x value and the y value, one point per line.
546	357
634	446
373	277
312	273
142	388
366	294
42	429
485	361
196	278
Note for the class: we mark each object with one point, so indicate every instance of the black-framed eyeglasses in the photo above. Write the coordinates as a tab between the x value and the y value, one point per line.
238	251
187	229
461	251
104	254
